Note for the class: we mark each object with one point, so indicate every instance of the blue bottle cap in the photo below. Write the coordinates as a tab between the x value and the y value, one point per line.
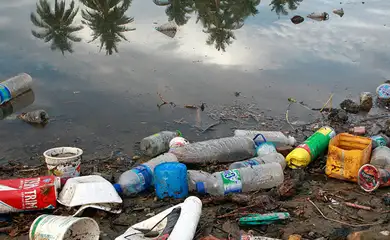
200	188
118	188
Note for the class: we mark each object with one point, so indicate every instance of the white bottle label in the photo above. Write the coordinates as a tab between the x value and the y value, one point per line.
231	181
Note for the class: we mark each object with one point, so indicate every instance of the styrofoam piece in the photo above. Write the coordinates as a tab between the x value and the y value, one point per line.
88	190
184	229
112	208
64	228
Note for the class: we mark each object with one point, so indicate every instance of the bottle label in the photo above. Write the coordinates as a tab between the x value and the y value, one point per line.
145	179
265	149
5	94
379	140
231	181
251	162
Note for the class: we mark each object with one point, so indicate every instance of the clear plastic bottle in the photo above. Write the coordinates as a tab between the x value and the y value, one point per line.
38	116
222	150
141	177
157	143
194	176
278	138
14	87
269	158
380	157
242	180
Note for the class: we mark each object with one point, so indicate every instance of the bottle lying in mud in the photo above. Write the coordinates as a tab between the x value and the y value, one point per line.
269	158
311	149
380	140
277	138
35	117
28	194
15	86
157	143
222	150
242	180
380	157
140	178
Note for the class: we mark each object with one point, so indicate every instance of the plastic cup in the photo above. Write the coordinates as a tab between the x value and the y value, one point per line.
371	178
60	227
63	162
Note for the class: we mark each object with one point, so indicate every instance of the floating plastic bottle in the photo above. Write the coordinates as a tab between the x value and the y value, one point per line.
242	180
38	117
315	145
14	87
380	157
16	104
158	143
221	150
380	140
278	138
140	178
318	16
272	157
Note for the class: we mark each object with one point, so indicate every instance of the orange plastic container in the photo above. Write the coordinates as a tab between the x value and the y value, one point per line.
346	154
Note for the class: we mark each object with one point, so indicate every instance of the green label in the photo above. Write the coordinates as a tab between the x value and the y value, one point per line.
319	141
231	181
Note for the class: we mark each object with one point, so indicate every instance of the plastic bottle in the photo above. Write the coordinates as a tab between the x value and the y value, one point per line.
38	117
380	140
380	157
272	157
262	146
315	145
14	87
222	150
158	143
16	104
242	180
278	138
170	180
141	177
194	176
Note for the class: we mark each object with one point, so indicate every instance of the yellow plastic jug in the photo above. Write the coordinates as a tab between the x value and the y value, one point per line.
346	154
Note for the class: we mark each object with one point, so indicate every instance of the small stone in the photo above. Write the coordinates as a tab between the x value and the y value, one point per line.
350	106
338	115
136	157
386	199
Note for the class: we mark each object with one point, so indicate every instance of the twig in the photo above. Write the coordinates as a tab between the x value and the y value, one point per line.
236	211
288	121
351	217
211	126
329	100
358	206
341	222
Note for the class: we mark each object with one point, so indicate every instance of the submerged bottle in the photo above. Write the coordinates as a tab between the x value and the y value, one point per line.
140	178
220	150
14	87
158	143
278	138
242	180
272	157
315	145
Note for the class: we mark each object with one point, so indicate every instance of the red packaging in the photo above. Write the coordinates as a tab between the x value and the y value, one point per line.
28	194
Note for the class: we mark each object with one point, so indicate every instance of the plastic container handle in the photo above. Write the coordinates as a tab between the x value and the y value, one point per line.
257	135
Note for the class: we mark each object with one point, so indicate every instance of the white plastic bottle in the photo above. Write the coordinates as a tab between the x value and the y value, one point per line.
222	150
278	138
157	143
269	158
242	180
14	87
141	177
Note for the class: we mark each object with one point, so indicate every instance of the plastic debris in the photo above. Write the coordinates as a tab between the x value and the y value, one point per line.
278	138
263	219
28	194
380	140
35	117
263	147
380	157
271	157
383	91
64	228
177	222
87	190
64	162
15	86
158	143
221	150
170	180
319	16
140	178
339	12
162	2
371	178
358	130
297	19
16	104
178	142
169	29
311	149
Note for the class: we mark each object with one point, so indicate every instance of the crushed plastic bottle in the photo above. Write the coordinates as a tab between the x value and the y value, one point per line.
272	157
14	87
140	178
221	150
158	143
38	117
242	180
278	138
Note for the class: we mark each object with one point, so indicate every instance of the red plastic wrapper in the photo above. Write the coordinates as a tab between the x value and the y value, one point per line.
28	194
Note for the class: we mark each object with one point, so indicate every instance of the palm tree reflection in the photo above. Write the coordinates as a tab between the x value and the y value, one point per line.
178	11
56	26
107	20
280	8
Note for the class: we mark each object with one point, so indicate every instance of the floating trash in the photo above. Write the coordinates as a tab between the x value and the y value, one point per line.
319	16
339	12
169	29
297	19
162	2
